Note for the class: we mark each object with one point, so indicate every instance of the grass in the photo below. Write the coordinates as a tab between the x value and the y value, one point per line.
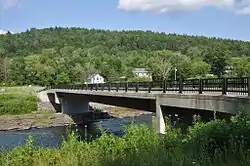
18	100
15	104
19	89
216	143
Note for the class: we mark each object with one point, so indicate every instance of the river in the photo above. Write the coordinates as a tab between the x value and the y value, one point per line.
53	137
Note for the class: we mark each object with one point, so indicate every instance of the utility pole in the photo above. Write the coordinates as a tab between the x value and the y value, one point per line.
175	73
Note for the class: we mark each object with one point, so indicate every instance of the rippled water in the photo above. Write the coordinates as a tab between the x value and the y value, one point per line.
52	137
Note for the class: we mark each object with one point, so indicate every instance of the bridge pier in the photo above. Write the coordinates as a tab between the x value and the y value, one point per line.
160	122
74	106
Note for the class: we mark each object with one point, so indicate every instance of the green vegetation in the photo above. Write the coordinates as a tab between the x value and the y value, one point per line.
21	89
13	104
215	143
139	79
69	55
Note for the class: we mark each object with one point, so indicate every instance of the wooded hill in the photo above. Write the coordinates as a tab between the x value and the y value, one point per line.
69	55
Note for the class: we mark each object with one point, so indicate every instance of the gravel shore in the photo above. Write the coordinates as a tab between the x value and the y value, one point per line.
34	120
45	119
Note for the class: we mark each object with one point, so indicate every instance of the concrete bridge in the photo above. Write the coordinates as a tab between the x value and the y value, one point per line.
205	97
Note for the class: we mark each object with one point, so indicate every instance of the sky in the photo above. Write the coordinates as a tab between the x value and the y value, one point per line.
213	18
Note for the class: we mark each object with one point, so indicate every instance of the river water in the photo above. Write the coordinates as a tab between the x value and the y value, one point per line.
53	137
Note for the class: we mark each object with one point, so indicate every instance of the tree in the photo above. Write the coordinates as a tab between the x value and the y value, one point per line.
55	55
62	78
195	53
183	64
217	58
240	67
16	71
160	64
199	69
3	68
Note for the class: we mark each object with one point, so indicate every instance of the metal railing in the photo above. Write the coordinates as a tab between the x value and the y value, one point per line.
240	86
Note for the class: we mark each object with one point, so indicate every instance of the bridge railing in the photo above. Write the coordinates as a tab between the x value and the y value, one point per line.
225	86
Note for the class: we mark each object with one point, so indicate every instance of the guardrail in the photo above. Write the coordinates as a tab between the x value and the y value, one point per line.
223	85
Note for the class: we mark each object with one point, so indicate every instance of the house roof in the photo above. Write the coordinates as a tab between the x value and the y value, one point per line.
93	75
141	70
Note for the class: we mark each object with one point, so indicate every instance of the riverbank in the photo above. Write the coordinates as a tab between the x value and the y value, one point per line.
34	120
46	119
21	108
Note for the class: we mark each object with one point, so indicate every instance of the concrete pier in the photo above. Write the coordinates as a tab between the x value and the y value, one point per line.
73	106
160	122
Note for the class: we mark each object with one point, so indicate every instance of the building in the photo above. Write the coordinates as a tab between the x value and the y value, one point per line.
142	72
228	69
95	79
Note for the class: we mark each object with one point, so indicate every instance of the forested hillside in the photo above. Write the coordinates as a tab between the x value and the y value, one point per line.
69	55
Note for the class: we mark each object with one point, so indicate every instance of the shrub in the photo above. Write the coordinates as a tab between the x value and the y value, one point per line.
208	144
17	104
222	141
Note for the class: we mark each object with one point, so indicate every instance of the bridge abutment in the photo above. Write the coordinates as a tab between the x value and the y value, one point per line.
53	99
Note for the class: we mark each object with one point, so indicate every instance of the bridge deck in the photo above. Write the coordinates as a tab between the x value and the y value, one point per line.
146	95
231	87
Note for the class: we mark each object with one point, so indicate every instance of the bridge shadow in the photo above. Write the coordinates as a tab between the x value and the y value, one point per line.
179	117
183	117
92	129
133	103
89	117
114	125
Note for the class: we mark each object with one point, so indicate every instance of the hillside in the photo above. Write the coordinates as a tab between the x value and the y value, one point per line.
68	55
36	40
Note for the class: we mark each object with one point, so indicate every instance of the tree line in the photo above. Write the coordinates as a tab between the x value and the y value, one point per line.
68	55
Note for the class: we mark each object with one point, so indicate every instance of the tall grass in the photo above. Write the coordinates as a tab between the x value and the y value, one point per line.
216	143
17	104
21	89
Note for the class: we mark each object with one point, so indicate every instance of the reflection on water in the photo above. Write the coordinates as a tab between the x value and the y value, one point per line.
52	137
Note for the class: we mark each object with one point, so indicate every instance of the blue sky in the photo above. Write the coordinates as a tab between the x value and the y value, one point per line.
220	18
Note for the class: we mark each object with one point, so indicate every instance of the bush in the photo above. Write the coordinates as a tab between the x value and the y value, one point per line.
17	104
224	142
208	144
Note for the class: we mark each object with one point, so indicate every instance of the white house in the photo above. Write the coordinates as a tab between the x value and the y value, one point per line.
142	72
95	79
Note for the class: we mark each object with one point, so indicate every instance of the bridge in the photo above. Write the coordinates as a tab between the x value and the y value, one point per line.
206	97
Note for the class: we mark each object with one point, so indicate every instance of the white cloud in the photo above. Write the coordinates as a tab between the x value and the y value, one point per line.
3	32
238	6
6	4
244	11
